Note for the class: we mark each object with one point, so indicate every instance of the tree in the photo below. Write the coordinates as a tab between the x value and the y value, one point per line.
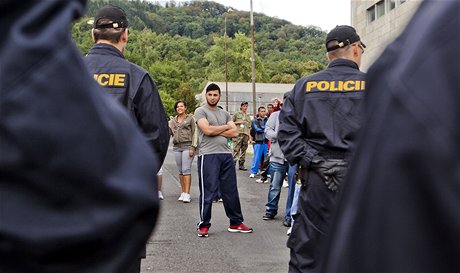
168	103
81	33
185	93
283	78
238	60
183	45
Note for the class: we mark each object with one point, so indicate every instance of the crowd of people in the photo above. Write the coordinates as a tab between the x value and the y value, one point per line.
372	187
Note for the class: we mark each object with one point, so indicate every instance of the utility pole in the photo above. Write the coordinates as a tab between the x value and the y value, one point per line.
226	64
253	64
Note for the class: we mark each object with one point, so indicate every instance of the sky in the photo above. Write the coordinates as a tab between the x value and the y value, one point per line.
325	14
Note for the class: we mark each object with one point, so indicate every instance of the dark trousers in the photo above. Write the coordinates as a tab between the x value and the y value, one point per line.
265	167
135	267
316	205
218	170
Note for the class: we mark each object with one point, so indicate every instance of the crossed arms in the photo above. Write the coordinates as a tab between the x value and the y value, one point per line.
226	130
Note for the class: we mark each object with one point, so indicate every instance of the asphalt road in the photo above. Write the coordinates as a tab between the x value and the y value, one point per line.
175	246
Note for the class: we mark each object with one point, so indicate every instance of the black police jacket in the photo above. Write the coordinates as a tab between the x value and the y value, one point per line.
77	190
132	86
322	113
400	205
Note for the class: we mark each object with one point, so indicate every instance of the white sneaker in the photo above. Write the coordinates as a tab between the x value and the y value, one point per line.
260	180
181	197
289	231
187	198
252	175
285	184
160	195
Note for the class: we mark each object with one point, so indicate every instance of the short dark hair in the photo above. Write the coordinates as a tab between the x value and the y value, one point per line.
177	103
260	107
212	87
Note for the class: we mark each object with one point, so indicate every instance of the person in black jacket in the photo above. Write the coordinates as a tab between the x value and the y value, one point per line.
128	83
318	126
400	208
76	191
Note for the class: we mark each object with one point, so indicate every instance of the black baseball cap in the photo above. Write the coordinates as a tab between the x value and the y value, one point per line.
115	14
344	35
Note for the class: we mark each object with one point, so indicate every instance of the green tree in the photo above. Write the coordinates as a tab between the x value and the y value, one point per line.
185	93
283	78
311	67
182	44
238	60
168	103
81	34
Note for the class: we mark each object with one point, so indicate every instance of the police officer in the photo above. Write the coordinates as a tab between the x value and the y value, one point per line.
128	83
318	126
399	211
76	191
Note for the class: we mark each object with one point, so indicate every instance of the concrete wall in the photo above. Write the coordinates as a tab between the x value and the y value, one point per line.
383	30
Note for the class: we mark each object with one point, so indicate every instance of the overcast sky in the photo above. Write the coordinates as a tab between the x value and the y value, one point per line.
325	14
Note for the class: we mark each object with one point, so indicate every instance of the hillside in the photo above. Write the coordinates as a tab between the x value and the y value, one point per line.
182	45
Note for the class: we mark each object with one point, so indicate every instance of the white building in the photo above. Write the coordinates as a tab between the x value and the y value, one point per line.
379	22
242	91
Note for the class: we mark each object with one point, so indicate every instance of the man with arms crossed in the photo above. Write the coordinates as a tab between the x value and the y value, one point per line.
215	163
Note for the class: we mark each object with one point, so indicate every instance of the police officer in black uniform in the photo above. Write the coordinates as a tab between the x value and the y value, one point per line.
400	208
130	84
318	126
76	191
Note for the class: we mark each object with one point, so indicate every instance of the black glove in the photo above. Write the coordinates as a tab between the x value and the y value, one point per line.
332	171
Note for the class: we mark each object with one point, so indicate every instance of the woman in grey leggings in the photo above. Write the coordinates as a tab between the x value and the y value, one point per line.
185	139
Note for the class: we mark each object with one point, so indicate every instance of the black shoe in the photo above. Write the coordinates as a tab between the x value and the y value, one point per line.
242	168
287	223
268	216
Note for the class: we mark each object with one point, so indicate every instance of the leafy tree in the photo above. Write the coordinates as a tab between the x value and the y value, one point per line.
81	33
168	103
182	45
185	93
283	78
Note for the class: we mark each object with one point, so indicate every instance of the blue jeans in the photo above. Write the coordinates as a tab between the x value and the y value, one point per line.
291	182
278	173
259	150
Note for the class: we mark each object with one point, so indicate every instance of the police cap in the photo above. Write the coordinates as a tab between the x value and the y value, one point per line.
115	14
344	35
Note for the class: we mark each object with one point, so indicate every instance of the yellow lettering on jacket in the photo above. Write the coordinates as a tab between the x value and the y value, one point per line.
111	79
333	86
